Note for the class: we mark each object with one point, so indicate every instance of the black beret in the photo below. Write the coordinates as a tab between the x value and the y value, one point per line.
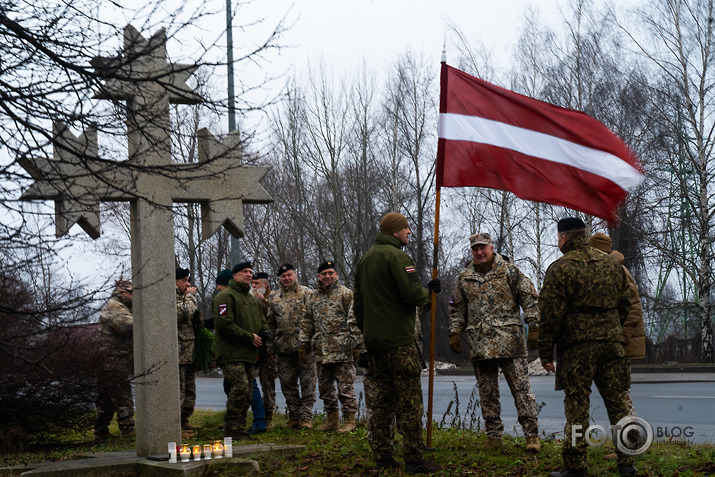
259	275
242	266
326	266
570	223
284	268
181	273
223	277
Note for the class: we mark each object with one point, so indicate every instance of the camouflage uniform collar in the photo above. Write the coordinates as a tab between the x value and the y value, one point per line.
123	299
319	286
290	288
576	244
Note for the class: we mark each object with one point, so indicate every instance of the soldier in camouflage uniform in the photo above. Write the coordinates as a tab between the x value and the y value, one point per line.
387	291
485	306
240	321
114	387
287	306
584	301
187	319
329	328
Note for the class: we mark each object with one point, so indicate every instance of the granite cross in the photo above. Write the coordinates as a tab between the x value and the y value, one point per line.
77	180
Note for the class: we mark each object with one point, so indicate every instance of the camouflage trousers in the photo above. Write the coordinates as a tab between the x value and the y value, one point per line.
370	388
239	378
298	385
398	395
517	377
344	375
629	401
114	394
187	391
604	363
267	373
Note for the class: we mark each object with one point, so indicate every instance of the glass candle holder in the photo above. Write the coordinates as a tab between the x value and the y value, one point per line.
207	451
196	450
185	453
218	449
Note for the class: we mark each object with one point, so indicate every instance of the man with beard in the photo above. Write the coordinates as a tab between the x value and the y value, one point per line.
297	378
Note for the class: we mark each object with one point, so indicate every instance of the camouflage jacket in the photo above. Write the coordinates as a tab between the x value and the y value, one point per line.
287	306
186	306
115	330
485	306
585	297
330	324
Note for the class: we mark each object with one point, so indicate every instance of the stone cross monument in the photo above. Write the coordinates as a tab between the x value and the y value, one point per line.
77	180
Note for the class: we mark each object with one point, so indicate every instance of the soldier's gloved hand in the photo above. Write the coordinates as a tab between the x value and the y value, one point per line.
356	354
435	285
532	338
303	351
455	343
363	359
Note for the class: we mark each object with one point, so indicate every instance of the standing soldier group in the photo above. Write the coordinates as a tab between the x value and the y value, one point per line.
588	310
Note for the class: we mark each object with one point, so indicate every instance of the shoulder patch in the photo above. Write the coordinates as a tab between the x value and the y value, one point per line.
410	269
222	309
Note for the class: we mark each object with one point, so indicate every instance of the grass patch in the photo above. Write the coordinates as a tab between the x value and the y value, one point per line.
461	452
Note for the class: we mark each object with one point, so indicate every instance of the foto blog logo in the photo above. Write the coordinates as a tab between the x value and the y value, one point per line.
632	435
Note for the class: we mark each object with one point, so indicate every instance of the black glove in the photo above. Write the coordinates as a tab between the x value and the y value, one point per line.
363	359
265	335
435	285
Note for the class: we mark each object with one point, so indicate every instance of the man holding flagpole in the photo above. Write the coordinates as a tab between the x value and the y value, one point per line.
387	291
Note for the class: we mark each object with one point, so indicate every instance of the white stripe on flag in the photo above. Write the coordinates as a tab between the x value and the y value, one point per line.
459	127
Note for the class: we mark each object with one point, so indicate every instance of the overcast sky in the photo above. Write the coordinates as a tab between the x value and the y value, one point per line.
342	34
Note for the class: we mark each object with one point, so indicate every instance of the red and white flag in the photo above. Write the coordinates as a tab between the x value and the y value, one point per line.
493	137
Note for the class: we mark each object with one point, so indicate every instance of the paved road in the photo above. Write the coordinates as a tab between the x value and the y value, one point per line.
676	405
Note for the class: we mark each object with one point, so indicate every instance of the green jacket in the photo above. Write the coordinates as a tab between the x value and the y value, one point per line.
238	315
585	297
387	293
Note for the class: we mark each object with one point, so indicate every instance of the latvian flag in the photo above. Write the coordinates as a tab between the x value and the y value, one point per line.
493	137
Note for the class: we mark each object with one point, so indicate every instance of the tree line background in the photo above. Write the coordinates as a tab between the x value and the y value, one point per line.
348	146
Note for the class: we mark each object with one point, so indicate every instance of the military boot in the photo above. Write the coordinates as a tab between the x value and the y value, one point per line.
348	422
305	424
332	422
293	423
533	444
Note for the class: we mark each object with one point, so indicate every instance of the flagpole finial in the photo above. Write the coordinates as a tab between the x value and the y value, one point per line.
444	49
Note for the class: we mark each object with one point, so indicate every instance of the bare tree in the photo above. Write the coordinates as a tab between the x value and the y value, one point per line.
676	39
409	125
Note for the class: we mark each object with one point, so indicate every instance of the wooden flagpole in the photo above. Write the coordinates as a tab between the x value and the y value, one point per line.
433	319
